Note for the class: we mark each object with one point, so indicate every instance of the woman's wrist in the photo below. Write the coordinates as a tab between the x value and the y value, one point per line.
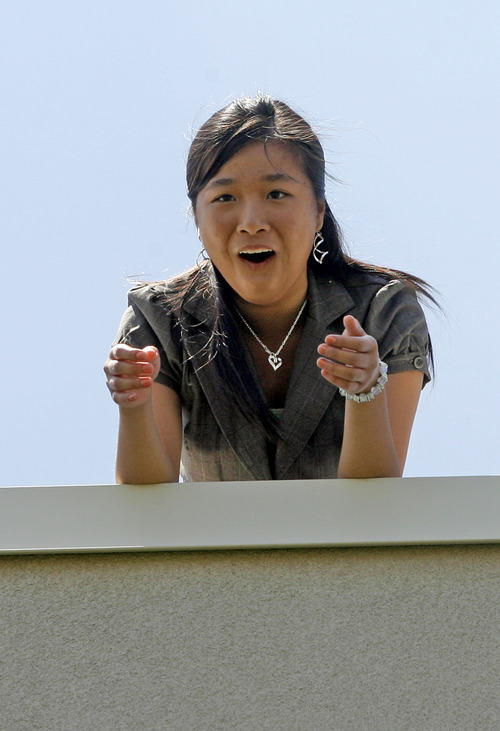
379	386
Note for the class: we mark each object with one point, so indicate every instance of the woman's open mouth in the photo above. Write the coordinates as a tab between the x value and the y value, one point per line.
256	256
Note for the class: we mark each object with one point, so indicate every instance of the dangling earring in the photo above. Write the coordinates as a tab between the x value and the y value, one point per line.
202	257
318	255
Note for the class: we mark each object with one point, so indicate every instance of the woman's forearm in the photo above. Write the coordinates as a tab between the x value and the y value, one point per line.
368	448
142	457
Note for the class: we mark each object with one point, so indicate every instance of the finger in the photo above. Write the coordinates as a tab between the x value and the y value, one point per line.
124	398
347	385
126	368
345	356
122	351
356	343
345	373
151	353
122	383
352	326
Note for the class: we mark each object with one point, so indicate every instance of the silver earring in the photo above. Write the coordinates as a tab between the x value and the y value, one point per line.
202	257
318	254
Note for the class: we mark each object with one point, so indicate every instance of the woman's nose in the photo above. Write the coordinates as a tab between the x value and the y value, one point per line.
252	219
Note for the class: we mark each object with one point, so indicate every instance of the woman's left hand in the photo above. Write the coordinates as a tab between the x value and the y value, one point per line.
351	360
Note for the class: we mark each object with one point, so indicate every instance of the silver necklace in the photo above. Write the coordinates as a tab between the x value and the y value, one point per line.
274	360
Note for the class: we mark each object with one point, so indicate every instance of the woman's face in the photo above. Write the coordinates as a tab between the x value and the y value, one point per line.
257	218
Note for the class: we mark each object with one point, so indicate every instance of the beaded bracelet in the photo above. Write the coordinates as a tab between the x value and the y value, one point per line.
361	398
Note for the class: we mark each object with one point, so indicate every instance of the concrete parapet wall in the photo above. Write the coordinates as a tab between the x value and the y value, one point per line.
349	606
359	638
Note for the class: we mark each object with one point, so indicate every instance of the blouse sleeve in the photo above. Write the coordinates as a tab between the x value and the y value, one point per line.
396	320
145	323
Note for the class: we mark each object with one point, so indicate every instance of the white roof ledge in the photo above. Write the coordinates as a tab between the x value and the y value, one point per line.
249	515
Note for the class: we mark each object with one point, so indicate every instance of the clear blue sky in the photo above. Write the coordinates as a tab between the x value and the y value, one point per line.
98	100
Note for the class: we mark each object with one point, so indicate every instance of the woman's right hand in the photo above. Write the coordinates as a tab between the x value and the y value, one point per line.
130	373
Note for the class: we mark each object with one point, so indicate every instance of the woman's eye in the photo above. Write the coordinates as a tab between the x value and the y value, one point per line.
224	198
277	195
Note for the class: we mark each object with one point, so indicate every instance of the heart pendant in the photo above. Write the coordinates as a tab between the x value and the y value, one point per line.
275	361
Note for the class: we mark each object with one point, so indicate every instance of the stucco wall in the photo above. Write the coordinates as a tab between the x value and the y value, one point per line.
310	639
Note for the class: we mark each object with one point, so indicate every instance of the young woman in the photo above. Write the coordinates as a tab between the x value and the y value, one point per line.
278	356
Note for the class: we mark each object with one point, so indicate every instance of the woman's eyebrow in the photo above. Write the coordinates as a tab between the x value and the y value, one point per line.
220	182
269	178
276	177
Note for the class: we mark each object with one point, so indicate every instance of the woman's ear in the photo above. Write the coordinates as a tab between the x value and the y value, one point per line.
321	214
195	219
